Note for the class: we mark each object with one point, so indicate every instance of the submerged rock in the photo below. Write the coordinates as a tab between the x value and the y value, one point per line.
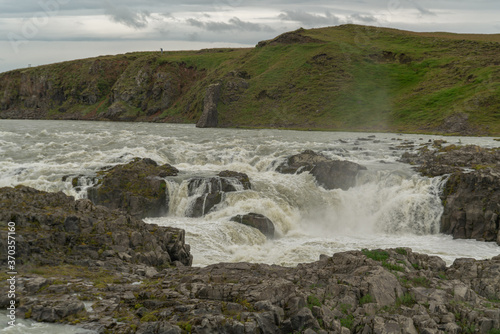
137	188
209	191
330	174
240	177
258	221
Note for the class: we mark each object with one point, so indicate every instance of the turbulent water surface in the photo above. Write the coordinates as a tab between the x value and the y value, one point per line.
391	206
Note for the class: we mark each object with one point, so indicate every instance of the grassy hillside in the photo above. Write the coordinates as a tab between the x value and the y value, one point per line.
339	78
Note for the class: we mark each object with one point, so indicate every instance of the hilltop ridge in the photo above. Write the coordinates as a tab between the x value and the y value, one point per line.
347	77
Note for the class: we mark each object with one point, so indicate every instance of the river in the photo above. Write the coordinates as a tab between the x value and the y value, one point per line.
391	206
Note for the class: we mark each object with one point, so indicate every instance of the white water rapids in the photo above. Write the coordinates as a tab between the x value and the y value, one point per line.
391	206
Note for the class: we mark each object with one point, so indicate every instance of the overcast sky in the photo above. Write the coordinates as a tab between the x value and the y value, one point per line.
38	32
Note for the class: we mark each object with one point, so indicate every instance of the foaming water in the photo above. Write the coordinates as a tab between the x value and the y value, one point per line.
390	206
31	327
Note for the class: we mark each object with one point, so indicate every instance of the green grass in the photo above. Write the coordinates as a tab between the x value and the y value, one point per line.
347	321
393	267
99	276
351	78
407	299
313	301
366	299
421	281
377	255
401	251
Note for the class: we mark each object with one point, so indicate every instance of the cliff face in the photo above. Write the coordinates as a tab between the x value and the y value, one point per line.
307	79
106	88
471	194
58	90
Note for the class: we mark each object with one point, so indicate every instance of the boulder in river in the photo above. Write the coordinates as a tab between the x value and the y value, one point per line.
138	188
330	174
209	191
258	221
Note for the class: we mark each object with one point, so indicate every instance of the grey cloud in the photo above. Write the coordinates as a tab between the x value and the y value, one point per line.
249	26
196	23
363	18
128	17
233	24
309	19
167	15
194	37
423	11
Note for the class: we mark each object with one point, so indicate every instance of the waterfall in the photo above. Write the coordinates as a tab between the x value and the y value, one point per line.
390	206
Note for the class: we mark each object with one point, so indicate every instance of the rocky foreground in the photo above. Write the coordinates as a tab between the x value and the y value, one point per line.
105	270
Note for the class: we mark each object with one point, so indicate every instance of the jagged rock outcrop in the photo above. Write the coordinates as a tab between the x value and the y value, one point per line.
209	116
472	205
149	87
207	192
235	85
440	159
54	229
258	221
471	195
127	89
32	94
458	123
330	174
138	188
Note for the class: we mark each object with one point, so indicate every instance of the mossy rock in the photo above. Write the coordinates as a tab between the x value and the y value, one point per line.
139	188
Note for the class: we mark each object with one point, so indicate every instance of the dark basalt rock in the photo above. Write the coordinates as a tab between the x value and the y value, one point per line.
472	206
204	203
330	174
241	177
55	229
258	221
209	117
303	162
336	174
210	191
137	188
439	159
471	195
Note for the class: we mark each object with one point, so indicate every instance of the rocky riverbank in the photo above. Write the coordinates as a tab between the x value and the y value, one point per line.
104	270
471	195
